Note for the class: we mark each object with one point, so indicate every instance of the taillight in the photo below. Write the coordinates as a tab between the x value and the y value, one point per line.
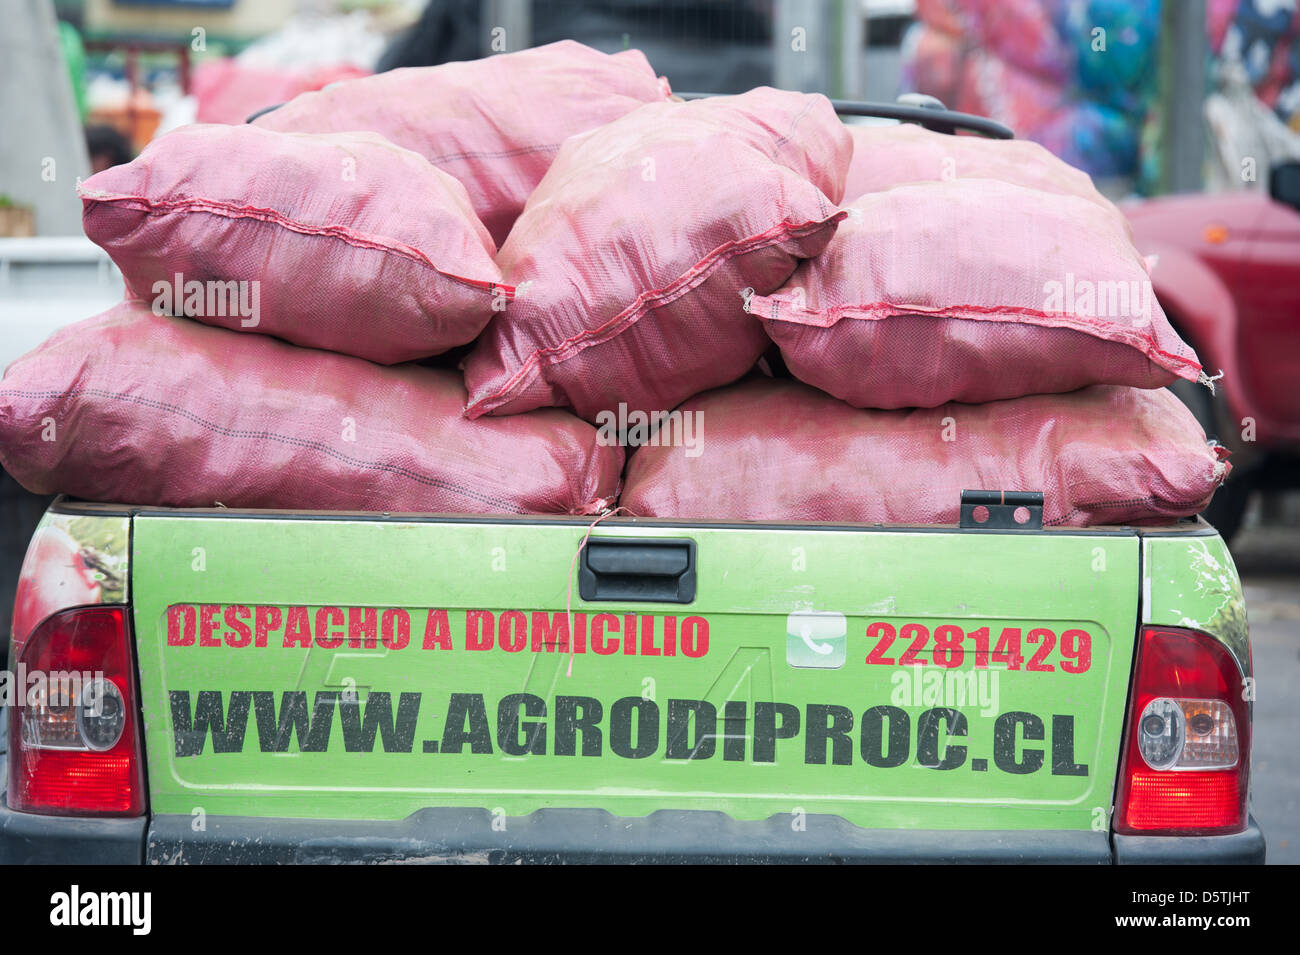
74	742
1186	762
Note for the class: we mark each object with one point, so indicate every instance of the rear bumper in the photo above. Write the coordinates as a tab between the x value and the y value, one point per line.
26	838
1244	848
475	836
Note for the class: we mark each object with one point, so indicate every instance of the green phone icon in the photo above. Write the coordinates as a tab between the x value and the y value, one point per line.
816	639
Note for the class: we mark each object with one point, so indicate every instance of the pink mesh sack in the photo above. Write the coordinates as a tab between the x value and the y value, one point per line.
636	246
973	290
229	91
343	242
137	408
781	451
495	123
887	156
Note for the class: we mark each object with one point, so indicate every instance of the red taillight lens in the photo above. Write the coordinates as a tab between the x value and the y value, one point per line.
1186	762
74	741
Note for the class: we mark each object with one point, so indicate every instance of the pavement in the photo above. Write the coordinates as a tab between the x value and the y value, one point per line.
1268	559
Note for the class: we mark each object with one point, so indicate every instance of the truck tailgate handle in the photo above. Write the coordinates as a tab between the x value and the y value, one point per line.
656	570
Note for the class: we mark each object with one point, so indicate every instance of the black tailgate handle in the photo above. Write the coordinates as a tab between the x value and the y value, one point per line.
656	570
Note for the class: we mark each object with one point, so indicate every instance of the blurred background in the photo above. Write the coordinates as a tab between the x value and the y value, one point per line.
1186	112
1102	83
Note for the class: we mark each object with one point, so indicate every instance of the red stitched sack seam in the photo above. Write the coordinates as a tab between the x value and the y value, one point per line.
228	210
771	308
655	298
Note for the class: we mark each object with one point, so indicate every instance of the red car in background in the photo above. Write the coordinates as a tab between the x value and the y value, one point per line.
1227	274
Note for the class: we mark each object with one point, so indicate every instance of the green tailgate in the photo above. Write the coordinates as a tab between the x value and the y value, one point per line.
341	669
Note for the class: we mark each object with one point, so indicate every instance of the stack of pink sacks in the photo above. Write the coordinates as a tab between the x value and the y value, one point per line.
289	280
985	307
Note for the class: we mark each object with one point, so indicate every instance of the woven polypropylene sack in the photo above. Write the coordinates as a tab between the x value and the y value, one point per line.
973	290
228	90
495	124
887	156
137	408
635	250
343	241
781	451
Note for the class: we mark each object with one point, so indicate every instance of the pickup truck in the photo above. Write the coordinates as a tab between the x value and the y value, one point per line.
269	686
234	686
